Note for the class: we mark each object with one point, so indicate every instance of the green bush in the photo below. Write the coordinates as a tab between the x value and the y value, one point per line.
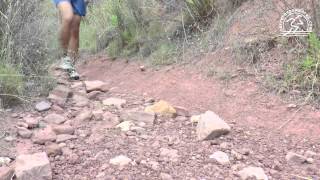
11	84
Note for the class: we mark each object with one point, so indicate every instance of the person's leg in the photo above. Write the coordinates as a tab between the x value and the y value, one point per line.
74	36
66	14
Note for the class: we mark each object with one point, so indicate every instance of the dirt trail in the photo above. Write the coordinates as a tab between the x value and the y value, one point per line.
240	101
101	130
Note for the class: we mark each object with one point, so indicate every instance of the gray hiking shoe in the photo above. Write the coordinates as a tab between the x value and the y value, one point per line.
66	63
73	74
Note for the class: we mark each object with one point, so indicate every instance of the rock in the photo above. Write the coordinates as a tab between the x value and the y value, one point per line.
165	176
93	95
54	119
211	126
139	116
34	166
9	138
292	157
220	157
95	86
4	161
252	172
309	153
60	95
97	115
24	133
120	161
22	124
85	115
44	135
32	122
53	149
80	100
195	118
162	108
125	126
182	111
43	106
119	103
63	129
169	154
111	119
6	173
309	160
142	68
154	165
65	137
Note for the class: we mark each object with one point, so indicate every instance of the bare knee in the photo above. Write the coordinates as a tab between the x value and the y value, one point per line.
66	12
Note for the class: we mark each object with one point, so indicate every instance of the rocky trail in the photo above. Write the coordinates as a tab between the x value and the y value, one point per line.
91	129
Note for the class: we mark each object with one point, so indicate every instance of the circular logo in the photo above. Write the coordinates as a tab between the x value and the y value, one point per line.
295	22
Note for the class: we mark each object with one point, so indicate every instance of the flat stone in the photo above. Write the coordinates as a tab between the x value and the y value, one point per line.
32	122
33	166
80	100
295	158
63	129
162	108
54	119
119	103
93	95
120	161
182	111
95	86
252	172
84	115
211	126
139	116
60	95
65	137
43	106
125	126
44	135
220	157
24	133
53	149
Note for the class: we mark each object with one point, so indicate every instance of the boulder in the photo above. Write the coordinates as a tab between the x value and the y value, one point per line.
211	126
33	166
162	108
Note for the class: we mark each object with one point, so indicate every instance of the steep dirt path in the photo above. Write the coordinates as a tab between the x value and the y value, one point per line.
240	101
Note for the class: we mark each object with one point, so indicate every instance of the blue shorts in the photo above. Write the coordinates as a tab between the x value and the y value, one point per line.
79	6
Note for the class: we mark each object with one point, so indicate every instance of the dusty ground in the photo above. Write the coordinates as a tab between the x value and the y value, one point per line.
253	115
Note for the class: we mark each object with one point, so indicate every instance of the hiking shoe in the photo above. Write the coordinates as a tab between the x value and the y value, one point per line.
66	64
73	74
